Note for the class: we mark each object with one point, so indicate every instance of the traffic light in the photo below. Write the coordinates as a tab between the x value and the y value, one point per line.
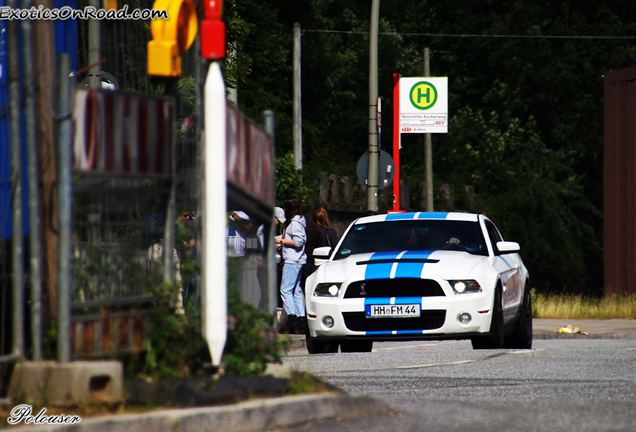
171	37
213	31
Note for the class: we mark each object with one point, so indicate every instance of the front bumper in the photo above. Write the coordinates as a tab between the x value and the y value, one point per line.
439	318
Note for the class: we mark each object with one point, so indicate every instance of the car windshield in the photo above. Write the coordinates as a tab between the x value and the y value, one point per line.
406	235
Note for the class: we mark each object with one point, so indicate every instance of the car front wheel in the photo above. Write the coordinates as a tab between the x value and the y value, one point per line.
522	337
496	337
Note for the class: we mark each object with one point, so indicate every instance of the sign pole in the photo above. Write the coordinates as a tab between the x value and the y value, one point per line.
396	141
428	146
422	104
372	177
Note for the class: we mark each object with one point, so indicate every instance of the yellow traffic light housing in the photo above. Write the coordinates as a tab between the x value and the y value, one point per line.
110	4
171	37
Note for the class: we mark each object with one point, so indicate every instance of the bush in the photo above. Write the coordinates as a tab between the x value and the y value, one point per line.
176	347
251	340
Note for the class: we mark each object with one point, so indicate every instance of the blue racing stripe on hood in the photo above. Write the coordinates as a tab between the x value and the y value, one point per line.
411	270
403	270
381	270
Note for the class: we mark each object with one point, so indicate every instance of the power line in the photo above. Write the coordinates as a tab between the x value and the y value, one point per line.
467	36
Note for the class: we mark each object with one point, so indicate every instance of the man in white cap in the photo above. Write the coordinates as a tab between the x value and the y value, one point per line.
242	246
279	213
237	230
279	220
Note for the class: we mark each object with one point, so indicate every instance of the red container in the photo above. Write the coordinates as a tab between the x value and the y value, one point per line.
619	177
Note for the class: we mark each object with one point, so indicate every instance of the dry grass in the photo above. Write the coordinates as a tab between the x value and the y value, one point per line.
579	307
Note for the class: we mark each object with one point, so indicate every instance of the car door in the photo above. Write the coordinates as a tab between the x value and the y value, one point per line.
508	266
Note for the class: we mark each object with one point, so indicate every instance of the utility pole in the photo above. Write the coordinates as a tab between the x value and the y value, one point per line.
428	146
298	118
94	48
17	252
64	191
44	38
35	232
372	192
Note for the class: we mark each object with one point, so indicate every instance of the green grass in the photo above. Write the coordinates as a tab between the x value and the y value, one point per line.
303	382
580	307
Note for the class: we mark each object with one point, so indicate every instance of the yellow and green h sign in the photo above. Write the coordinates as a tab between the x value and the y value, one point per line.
423	95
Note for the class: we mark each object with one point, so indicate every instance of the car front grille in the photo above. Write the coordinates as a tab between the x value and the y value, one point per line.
428	320
400	287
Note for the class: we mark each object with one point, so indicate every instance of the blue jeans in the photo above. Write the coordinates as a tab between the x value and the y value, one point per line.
291	291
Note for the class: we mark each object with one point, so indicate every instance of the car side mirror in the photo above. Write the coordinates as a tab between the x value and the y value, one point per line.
322	252
506	247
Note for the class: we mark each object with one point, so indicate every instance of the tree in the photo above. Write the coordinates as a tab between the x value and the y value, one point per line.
533	193
526	109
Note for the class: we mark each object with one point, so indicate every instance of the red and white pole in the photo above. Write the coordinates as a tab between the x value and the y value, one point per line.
214	214
396	141
214	184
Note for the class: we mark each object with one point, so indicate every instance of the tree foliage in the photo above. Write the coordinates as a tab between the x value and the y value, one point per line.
289	182
525	103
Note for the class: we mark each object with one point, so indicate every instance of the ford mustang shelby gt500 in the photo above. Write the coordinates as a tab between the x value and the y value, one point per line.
418	276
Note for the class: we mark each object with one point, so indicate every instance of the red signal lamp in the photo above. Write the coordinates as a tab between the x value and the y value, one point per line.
213	31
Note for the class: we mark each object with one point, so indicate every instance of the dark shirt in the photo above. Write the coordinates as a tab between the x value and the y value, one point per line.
314	240
329	237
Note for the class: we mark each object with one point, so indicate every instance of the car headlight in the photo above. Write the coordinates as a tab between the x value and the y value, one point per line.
327	289
465	286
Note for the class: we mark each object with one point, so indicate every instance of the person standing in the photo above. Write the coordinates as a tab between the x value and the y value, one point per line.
293	243
314	240
329	236
263	242
187	234
279	219
242	249
237	230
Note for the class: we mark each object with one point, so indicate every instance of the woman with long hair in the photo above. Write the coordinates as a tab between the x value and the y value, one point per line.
329	236
293	243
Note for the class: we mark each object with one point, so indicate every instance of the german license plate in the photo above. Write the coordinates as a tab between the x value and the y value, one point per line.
393	311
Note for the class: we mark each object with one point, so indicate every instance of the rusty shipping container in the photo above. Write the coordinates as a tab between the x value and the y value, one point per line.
619	181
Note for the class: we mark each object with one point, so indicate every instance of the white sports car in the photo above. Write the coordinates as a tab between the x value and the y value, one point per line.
417	276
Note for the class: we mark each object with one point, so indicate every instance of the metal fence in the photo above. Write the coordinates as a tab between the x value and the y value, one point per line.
115	223
119	213
118	244
118	223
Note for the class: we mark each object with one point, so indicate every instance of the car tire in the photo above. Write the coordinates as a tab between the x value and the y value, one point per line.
322	346
496	337
356	346
522	337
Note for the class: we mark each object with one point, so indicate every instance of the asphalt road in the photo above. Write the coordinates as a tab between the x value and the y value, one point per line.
559	385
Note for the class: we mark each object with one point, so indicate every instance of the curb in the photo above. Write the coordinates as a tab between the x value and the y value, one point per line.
256	415
298	342
548	336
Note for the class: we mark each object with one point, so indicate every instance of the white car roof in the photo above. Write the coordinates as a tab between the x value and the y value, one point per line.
454	216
